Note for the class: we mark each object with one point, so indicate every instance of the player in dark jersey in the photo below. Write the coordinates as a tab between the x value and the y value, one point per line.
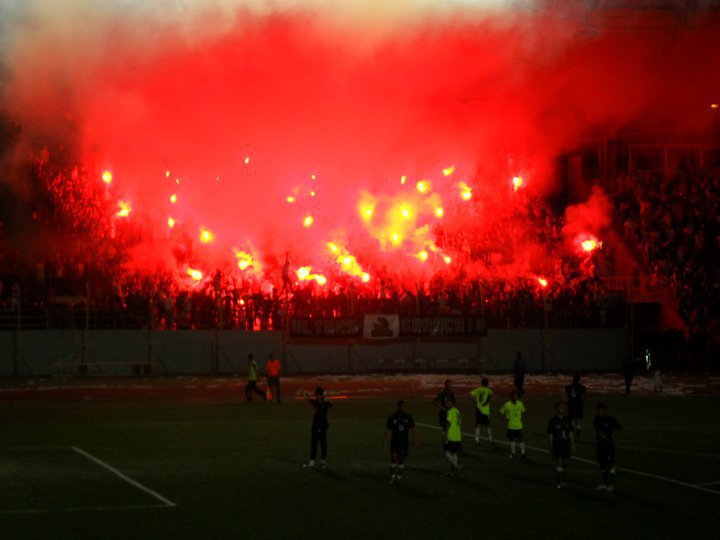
606	429
574	395
400	426
319	428
560	433
442	401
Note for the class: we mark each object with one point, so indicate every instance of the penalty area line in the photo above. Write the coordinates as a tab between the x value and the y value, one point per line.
122	476
583	460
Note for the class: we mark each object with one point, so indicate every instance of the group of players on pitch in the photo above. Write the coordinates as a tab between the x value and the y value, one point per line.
563	429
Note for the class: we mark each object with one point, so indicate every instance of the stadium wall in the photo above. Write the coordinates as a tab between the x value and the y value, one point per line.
140	352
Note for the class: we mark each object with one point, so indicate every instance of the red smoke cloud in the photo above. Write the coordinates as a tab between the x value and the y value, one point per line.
236	109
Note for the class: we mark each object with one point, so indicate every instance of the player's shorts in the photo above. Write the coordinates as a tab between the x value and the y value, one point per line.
400	451
481	419
513	434
606	454
575	412
452	446
561	451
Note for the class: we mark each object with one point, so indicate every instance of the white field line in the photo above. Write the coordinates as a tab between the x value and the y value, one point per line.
583	460
120	475
716	482
81	509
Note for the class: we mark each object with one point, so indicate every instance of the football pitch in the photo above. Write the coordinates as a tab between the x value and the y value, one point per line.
214	466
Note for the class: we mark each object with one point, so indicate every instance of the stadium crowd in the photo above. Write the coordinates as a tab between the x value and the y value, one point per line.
672	221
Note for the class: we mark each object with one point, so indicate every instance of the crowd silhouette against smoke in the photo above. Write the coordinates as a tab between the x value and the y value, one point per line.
162	165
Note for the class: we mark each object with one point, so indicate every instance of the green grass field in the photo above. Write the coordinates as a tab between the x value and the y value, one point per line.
219	468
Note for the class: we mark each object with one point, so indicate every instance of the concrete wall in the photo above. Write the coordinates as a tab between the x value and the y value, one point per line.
59	352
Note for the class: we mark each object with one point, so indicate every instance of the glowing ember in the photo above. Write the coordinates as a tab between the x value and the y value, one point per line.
171	222
107	177
308	222
447	259
517	182
465	191
439	212
447	171
247	160
423	255
167	174
290	199
714	106
206	236
543	282
423	186
403	179
173	198
125	209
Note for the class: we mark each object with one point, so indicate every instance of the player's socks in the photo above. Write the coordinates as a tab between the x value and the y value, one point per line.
522	449
489	435
400	471
477	435
512	448
393	470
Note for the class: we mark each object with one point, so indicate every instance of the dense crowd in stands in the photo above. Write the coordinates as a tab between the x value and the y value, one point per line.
671	221
674	221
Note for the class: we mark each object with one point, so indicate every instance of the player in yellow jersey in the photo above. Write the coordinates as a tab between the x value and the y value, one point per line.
453	436
512	412
481	397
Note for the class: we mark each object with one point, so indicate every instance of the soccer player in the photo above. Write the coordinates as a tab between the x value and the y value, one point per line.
574	395
512	412
606	429
453	436
319	428
442	401
400	426
251	386
481	397
560	433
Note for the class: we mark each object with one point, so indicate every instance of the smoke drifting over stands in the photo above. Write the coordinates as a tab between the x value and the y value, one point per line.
402	149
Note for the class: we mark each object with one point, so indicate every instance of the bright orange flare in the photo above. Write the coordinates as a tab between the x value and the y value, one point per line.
107	177
517	182
447	171
447	259
206	236
423	255
465	191
173	198
543	282
197	275
171	222
245	261
423	186
125	209
290	199
439	212
308	222
304	273
247	160
348	263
